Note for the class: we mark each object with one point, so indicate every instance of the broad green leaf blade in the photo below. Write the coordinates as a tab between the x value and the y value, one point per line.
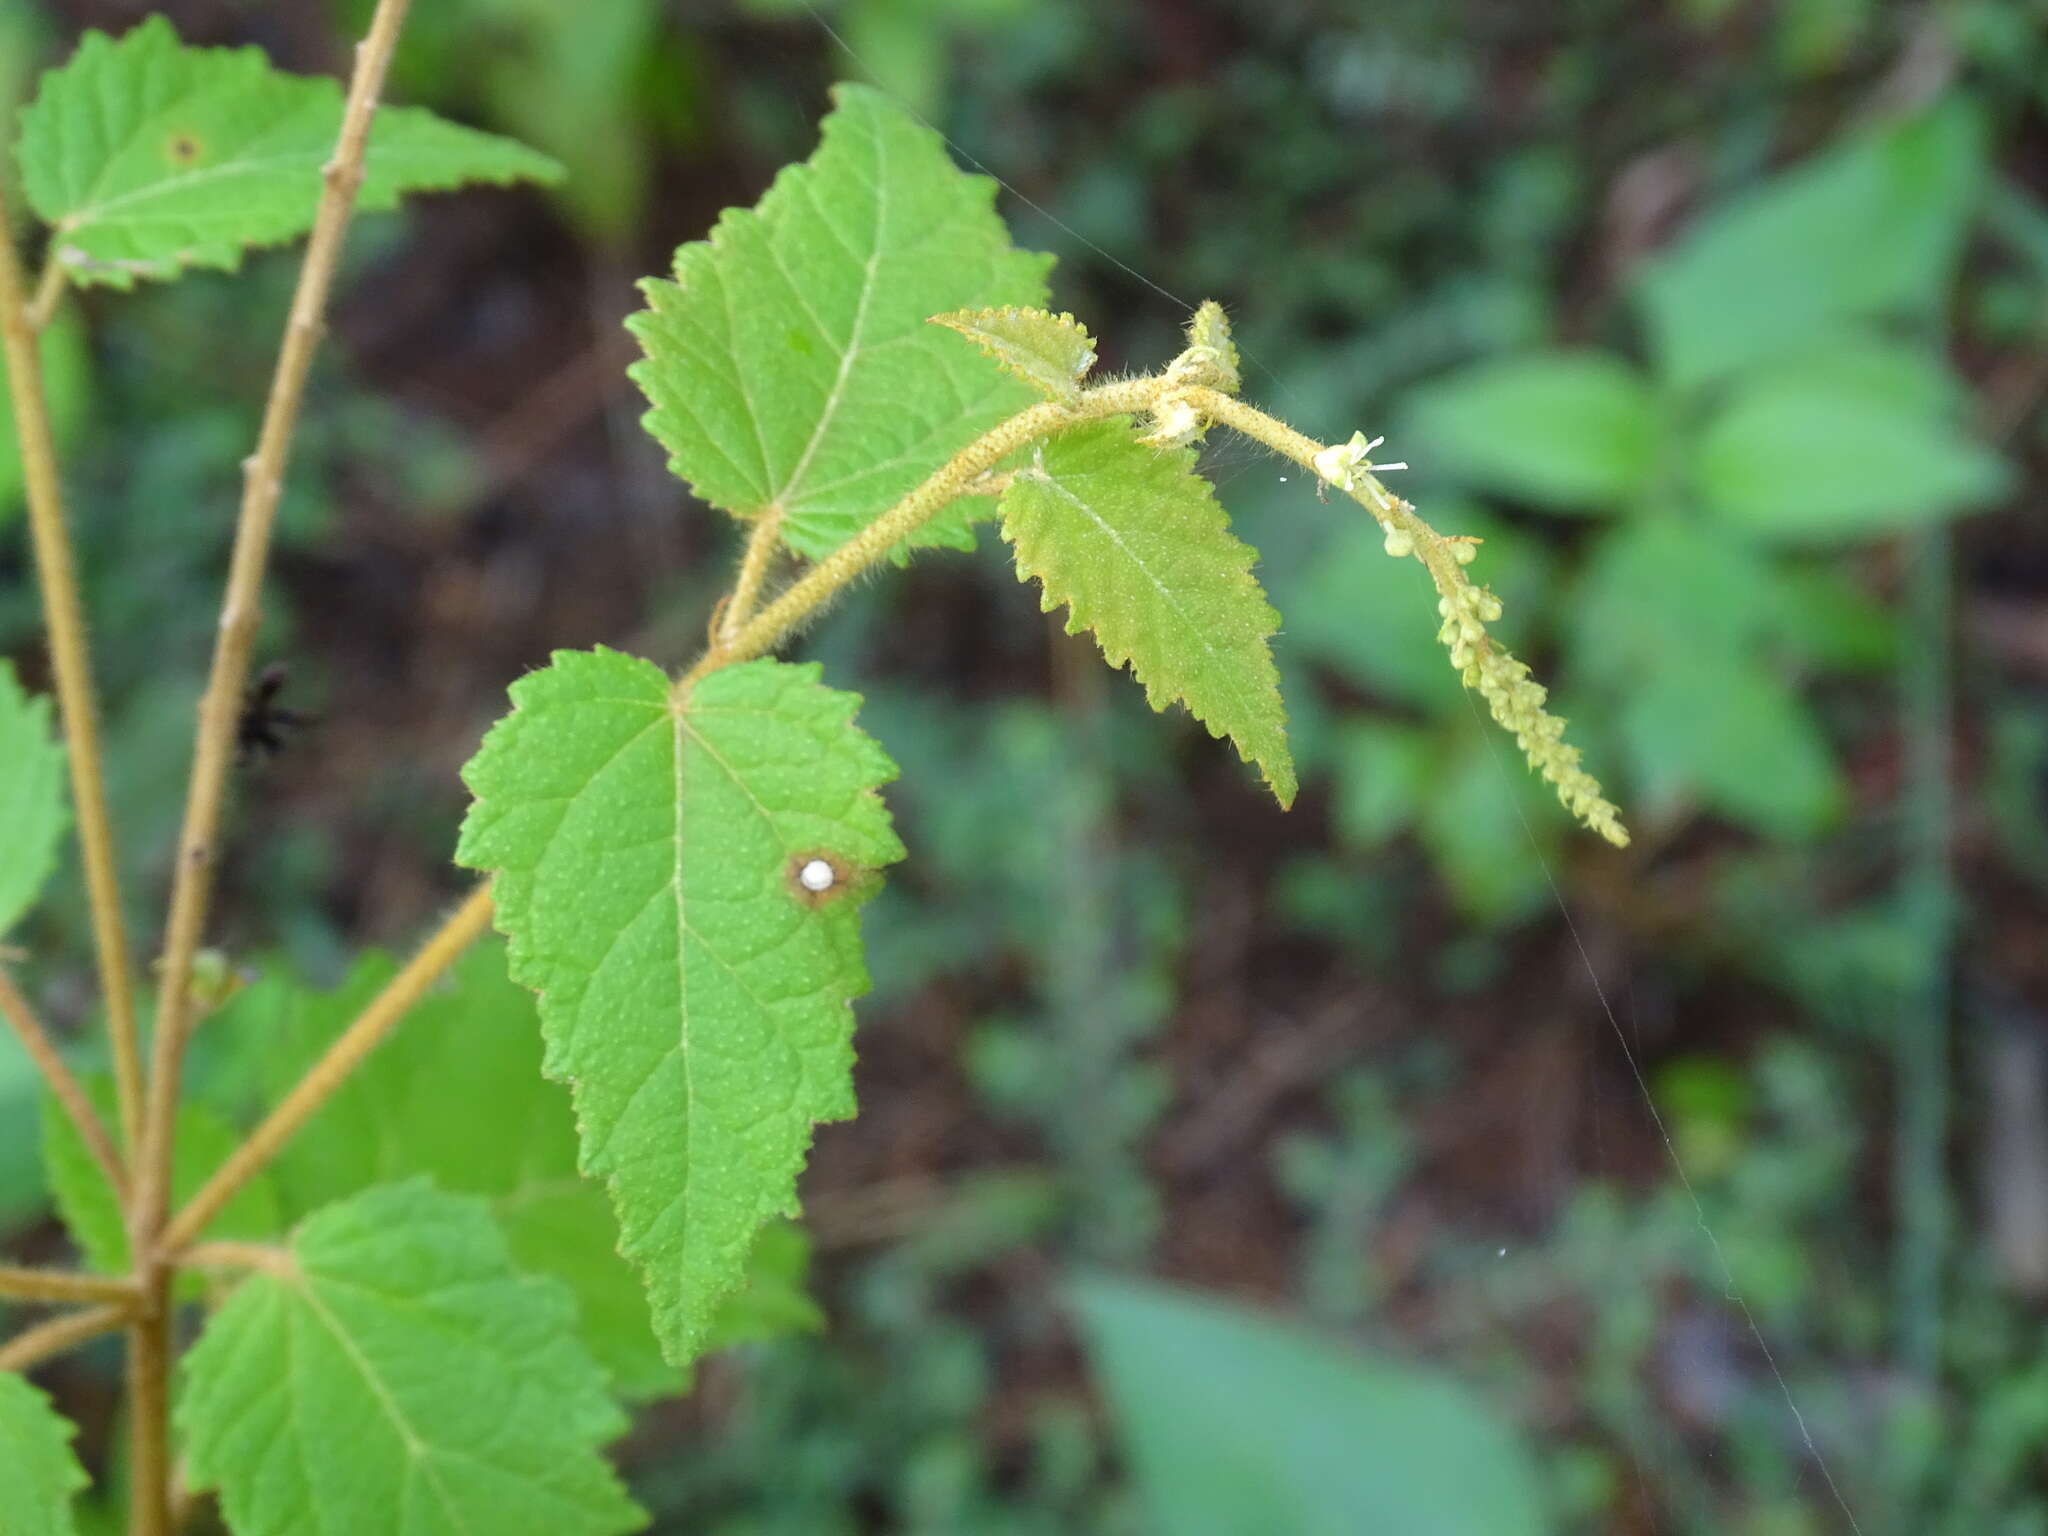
38	1472
1239	1426
646	849
32	810
395	1373
66	366
1820	455
1570	431
201	1142
456	1095
1870	227
1133	541
148	157
1052	353
789	363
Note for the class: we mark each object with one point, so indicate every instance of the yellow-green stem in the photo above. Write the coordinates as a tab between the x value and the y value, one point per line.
32	1346
42	1050
71	665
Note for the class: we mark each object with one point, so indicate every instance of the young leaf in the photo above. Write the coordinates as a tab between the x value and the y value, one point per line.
38	1472
789	363
32	814
646	847
201	1142
1132	540
1570	431
1052	353
393	1372
147	157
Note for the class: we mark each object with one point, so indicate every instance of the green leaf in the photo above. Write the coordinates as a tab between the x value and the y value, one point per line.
38	1472
148	158
1052	353
1870	227
1820	454
1236	1425
32	810
66	366
201	1142
789	363
1736	736
646	847
1570	431
1133	541
1384	773
395	1372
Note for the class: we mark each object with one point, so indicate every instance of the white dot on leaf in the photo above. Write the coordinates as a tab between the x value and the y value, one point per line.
816	877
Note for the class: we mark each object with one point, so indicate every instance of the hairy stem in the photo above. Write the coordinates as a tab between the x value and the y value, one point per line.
60	1285
213	755
824	581
42	1050
762	545
351	1048
71	664
42	309
32	1346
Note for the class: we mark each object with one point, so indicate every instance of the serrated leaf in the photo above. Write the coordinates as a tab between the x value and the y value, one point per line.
395	1372
789	364
39	1473
456	1095
201	1142
148	157
1133	541
32	813
1052	353
645	849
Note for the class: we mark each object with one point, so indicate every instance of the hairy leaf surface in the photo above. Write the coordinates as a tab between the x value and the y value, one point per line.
148	157
38	1472
395	1373
789	363
32	813
645	849
1052	353
1133	541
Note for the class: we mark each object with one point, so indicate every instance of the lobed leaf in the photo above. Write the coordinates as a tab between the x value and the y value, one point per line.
1133	541
32	808
645	845
1052	353
394	1372
789	364
148	158
38	1471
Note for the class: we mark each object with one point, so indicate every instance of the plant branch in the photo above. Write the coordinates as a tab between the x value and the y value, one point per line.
42	1050
71	664
63	1285
213	755
762	545
219	709
773	624
42	309
32	1346
266	1257
463	927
